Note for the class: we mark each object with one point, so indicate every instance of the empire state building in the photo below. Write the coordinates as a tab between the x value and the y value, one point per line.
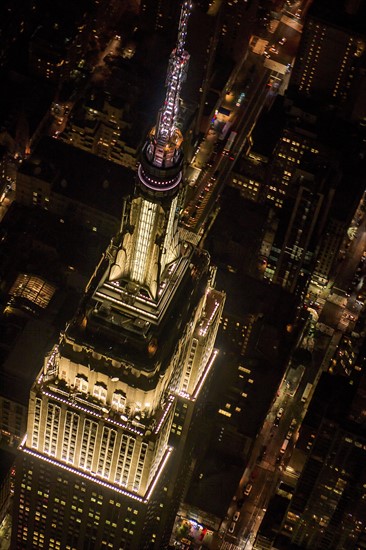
113	413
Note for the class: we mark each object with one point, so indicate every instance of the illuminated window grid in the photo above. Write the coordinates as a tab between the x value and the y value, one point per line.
144	233
188	371
106	451
69	438
37	421
169	229
124	461
34	289
88	444
140	467
51	431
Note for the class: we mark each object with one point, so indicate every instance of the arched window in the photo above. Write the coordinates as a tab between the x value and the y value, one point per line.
100	391
81	383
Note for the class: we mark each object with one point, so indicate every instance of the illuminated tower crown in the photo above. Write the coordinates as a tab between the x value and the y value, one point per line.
150	237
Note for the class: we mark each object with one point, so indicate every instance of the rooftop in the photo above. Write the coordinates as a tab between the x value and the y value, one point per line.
81	176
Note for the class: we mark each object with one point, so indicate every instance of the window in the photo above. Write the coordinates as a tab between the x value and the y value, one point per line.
88	444
124	460
81	383
144	232
100	391
70	434
52	429
106	452
37	419
119	400
140	467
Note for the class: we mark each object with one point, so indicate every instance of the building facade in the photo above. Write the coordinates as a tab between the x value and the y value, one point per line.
112	414
330	52
328	506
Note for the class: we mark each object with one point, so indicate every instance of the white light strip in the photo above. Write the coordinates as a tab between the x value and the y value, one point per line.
81	474
203	331
171	399
127	306
158	474
158	185
99	482
204	376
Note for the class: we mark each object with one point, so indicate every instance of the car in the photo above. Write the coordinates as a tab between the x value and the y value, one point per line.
232	527
236	516
262	454
247	489
240	502
278	417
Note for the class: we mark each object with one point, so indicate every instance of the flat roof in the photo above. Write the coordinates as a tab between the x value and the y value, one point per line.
80	175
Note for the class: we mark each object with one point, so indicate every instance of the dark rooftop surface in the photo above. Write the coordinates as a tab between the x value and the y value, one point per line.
214	491
6	461
36	242
246	294
334	12
80	175
235	238
336	399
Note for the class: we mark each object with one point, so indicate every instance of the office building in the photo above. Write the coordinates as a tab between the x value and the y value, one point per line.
104	126
330	58
327	509
75	185
113	412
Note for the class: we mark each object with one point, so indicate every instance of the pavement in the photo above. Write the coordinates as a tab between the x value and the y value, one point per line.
5	533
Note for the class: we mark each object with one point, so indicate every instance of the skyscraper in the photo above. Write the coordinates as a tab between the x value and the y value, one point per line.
331	52
112	414
327	509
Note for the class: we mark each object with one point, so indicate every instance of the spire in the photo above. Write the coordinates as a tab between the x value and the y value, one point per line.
150	240
177	73
165	139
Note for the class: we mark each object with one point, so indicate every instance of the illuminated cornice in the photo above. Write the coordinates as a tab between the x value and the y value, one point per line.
205	374
94	478
100	415
161	422
193	396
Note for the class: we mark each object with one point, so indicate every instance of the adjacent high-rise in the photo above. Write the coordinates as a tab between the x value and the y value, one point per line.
330	60
328	508
112	415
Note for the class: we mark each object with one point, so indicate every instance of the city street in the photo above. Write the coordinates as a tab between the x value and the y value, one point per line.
252	87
